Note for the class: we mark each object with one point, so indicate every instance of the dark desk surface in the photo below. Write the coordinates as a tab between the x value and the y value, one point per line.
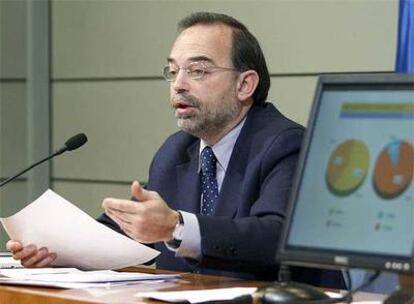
125	294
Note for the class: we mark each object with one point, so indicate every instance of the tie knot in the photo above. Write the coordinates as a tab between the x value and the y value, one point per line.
208	161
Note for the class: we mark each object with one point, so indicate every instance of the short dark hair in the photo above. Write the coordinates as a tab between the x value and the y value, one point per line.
246	51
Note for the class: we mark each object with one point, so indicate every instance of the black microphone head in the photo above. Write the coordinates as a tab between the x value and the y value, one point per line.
75	142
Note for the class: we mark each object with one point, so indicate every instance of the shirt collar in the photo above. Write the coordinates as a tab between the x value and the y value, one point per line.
223	149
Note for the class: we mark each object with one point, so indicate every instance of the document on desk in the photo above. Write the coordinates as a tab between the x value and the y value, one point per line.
70	277
78	239
198	296
73	275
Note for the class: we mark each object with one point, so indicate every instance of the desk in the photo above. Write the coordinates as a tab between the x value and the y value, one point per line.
124	294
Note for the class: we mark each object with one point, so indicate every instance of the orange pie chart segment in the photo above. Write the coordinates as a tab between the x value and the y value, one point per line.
394	169
347	167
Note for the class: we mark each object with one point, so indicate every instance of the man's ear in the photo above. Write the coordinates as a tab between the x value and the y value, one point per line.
247	84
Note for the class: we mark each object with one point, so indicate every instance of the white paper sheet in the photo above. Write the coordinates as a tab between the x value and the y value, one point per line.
197	296
73	275
78	239
75	278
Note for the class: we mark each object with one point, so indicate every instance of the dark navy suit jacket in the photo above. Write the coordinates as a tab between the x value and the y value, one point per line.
241	238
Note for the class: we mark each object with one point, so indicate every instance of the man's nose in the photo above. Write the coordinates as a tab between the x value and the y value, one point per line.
180	83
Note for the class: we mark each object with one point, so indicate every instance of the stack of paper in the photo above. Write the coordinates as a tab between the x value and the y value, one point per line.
75	278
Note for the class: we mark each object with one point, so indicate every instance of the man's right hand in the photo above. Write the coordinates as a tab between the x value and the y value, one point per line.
29	255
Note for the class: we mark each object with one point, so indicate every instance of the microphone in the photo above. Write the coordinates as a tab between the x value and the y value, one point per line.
71	144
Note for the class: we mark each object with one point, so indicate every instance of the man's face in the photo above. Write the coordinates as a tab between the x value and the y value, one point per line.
208	106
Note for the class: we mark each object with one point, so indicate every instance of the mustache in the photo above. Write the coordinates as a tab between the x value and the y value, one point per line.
189	100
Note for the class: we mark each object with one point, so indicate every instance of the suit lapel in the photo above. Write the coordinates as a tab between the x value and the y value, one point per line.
231	189
229	197
188	181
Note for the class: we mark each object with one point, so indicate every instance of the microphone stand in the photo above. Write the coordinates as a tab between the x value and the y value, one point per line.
27	169
72	143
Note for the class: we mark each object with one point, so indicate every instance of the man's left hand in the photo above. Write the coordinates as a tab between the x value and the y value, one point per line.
149	220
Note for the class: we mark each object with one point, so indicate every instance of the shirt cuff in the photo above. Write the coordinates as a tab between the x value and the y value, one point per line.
191	244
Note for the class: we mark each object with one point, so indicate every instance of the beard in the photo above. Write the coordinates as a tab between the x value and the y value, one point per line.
208	118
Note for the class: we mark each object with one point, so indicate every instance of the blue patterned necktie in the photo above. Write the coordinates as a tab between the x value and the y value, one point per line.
209	184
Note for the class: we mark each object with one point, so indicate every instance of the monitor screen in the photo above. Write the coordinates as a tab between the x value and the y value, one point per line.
352	204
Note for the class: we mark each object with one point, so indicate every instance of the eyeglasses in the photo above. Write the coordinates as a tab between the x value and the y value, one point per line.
195	70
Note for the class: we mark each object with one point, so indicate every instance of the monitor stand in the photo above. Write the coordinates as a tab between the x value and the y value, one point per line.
290	292
404	295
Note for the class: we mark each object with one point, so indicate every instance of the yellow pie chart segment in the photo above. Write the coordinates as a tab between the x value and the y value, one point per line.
347	167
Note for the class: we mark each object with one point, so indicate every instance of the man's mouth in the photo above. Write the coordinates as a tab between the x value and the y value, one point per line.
183	109
181	105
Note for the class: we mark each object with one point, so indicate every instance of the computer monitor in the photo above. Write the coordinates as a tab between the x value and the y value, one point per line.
352	203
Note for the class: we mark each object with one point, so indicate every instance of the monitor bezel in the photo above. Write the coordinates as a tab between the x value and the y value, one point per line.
335	259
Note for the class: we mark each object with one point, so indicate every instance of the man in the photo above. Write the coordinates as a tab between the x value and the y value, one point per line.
217	190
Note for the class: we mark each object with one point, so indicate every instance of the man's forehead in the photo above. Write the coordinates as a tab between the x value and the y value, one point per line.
211	42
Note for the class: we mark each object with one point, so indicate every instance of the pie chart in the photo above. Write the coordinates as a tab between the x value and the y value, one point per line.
347	167
394	169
